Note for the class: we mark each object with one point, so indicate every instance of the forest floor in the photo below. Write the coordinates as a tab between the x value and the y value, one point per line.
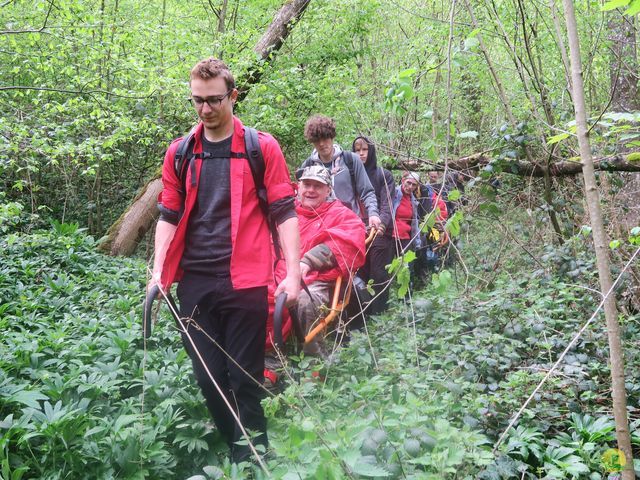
425	392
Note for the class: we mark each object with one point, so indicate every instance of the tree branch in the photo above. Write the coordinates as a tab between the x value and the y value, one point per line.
75	92
612	163
39	30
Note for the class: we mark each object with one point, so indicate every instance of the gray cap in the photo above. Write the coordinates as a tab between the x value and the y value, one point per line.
318	173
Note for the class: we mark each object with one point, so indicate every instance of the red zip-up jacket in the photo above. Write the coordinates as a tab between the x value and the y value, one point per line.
251	263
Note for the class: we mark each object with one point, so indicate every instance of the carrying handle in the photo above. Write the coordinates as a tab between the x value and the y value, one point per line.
278	314
146	314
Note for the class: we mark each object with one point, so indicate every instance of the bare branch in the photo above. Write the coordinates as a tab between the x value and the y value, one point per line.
39	30
75	92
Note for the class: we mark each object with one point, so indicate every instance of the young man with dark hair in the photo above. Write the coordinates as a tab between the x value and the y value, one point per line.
214	239
349	179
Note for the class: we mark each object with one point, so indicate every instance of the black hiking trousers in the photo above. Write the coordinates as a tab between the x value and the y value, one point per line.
380	255
236	320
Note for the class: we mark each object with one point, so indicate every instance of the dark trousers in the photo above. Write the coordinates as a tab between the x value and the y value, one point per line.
236	319
380	255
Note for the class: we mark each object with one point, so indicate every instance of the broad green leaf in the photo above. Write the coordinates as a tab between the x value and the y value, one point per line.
557	138
471	43
213	472
428	223
613	244
454	195
613	4
469	134
409	72
410	256
474	32
585	230
27	397
361	467
634	8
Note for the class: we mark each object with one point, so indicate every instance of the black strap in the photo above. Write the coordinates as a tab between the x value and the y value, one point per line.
257	165
348	161
182	159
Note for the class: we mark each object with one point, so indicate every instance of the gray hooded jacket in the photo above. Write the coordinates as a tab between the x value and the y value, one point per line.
343	188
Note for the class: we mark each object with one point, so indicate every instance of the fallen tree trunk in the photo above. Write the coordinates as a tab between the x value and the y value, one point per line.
123	236
629	162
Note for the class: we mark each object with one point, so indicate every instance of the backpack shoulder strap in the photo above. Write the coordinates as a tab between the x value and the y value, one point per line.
348	161
258	168
181	156
256	163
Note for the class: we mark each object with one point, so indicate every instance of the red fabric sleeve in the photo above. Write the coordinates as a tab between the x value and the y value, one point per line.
346	242
442	207
171	197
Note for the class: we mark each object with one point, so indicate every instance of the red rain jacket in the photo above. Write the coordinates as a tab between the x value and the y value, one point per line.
251	263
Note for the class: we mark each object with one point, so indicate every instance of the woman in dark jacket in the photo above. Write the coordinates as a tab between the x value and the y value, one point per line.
381	251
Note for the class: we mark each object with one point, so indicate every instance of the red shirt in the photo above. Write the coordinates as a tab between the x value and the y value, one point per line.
404	217
251	264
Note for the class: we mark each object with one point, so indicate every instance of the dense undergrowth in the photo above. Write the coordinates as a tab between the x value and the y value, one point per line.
425	395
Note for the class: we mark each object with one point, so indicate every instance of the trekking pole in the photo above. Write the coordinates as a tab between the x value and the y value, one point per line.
174	312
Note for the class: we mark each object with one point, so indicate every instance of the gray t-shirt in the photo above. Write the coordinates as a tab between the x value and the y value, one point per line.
208	242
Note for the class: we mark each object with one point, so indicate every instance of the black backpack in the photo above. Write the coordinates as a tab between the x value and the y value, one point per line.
184	159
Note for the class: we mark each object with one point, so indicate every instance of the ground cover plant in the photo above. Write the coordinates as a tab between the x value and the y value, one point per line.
424	395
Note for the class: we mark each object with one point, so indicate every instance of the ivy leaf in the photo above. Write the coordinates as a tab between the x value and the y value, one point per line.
634	236
613	244
634	8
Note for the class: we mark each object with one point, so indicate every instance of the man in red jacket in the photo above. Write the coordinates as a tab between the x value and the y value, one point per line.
332	242
214	239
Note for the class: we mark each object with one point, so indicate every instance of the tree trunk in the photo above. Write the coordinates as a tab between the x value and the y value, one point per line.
272	40
601	246
123	236
613	163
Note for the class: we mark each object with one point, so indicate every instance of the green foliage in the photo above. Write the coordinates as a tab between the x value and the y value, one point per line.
633	6
400	92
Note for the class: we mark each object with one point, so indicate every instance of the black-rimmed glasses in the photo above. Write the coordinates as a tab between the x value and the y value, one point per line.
213	102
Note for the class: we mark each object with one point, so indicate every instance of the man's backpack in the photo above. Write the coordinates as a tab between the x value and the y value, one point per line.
184	157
